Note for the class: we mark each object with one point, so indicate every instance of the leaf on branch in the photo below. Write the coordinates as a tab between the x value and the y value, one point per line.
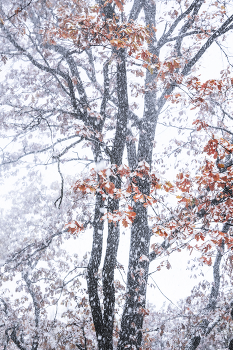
74	227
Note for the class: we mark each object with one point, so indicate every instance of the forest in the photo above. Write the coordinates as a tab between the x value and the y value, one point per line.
116	165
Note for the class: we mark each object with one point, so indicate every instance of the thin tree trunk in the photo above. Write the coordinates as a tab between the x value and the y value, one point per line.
207	327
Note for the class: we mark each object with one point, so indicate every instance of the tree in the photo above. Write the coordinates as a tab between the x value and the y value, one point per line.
71	83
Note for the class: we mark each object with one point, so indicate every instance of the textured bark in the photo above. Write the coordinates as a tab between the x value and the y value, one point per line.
134	310
104	321
113	204
98	227
108	276
207	327
92	271
230	347
132	319
195	341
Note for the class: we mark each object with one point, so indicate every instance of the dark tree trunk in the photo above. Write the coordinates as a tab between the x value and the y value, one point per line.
104	321
132	318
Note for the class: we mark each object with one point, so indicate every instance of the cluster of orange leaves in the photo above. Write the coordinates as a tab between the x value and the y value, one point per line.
102	182
207	202
211	183
90	28
215	188
212	87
